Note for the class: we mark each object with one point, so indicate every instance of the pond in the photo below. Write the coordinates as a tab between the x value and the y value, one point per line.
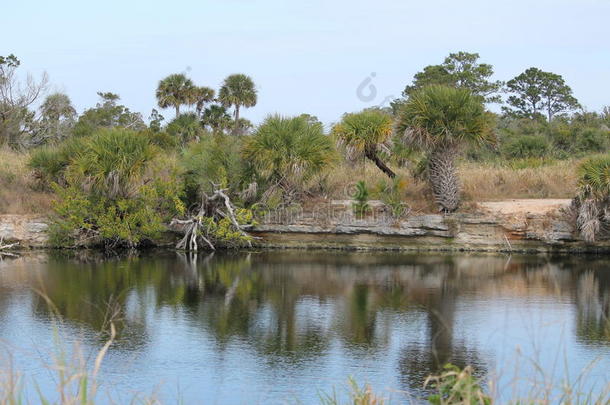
288	326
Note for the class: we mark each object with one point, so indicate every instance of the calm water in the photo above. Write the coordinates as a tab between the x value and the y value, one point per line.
281	327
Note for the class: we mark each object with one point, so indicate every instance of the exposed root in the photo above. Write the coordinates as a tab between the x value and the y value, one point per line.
8	245
218	205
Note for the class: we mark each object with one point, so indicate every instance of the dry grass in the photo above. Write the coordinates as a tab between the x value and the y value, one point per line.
18	189
489	182
480	182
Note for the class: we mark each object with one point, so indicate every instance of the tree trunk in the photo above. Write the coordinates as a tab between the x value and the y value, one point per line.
371	154
443	178
236	126
177	106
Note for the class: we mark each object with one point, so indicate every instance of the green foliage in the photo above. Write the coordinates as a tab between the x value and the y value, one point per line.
216	118
439	115
565	138
57	118
238	90
50	162
112	162
176	90
222	232
360	205
108	114
81	218
526	146
288	151
116	191
455	386
366	133
392	193
214	160
535	92
594	176
363	131
592	140
186	128
461	70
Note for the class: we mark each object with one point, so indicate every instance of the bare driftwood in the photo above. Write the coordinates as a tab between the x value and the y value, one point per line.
5	247
218	205
8	245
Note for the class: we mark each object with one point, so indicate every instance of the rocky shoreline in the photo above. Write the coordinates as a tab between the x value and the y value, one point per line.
456	232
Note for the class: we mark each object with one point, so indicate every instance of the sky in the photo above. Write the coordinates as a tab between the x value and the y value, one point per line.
319	57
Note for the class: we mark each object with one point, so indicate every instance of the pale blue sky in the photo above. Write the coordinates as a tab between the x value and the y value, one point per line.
305	57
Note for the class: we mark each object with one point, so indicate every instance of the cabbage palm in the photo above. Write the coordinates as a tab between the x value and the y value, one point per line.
199	96
285	151
175	90
592	204
237	91
366	134
440	120
216	117
112	162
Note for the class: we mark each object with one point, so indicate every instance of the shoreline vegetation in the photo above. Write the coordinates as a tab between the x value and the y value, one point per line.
107	178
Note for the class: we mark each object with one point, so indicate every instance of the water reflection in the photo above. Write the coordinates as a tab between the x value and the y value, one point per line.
296	308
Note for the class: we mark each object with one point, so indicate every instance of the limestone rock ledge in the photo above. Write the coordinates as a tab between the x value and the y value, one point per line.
30	231
476	232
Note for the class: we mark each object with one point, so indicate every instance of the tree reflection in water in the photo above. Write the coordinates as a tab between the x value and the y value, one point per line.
292	307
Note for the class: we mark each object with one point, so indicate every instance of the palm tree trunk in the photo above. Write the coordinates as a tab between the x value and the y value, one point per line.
443	178
236	126
372	155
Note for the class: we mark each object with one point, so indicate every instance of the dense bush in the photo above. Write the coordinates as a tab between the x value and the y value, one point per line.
526	146
186	128
118	191
285	152
215	160
50	162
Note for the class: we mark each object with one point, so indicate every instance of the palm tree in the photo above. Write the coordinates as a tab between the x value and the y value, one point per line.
592	203
216	117
237	91
439	120
366	134
199	96
286	151
175	90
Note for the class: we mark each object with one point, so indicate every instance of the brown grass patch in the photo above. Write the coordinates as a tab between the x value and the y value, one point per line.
18	190
480	182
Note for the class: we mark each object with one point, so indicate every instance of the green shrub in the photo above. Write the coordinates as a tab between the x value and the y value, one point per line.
222	232
49	162
186	128
592	140
392	193
360	205
118	191
215	159
526	146
286	152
